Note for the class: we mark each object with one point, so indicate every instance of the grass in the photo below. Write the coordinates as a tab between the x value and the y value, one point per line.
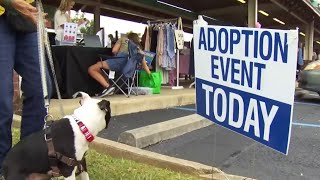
104	167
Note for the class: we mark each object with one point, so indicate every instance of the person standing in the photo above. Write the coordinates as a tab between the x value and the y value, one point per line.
314	56
300	56
111	41
61	17
19	52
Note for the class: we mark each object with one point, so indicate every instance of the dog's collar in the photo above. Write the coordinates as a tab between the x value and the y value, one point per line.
83	128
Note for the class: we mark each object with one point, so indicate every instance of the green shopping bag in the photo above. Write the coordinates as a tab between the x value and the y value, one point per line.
153	81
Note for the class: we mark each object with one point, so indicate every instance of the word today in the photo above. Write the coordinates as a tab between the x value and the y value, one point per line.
246	117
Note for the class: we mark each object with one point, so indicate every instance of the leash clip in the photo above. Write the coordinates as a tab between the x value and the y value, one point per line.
47	117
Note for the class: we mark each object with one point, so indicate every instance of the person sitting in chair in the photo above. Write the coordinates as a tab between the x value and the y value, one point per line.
120	50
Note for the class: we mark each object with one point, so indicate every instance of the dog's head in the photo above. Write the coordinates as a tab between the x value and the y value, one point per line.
93	111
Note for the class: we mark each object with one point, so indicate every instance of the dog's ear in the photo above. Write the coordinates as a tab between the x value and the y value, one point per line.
77	94
80	94
104	105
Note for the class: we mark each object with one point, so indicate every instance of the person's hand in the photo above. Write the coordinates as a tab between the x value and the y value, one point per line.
140	51
82	21
25	9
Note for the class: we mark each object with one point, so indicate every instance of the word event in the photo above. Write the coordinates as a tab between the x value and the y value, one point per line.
245	81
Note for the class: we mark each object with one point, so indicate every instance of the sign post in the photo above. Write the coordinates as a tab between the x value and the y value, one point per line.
245	81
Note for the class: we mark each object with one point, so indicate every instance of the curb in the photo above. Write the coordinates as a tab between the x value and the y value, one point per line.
140	105
118	150
123	106
154	133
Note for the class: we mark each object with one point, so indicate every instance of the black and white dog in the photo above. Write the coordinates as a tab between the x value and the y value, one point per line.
29	160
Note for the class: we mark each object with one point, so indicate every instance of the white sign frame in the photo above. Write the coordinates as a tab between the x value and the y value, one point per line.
245	80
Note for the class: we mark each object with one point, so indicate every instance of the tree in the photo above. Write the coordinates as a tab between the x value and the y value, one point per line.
89	28
51	11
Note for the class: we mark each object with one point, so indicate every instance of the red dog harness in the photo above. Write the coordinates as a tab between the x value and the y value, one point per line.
84	129
55	157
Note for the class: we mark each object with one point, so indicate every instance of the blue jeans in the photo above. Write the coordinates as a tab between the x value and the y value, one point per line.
19	52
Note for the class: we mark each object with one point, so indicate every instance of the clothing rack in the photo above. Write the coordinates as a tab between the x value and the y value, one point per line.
162	20
175	20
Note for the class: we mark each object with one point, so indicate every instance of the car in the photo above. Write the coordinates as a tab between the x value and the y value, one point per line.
309	78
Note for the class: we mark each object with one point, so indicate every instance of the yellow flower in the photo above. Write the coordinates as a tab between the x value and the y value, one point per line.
2	10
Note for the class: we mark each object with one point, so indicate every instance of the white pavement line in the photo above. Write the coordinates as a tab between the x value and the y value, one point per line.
152	134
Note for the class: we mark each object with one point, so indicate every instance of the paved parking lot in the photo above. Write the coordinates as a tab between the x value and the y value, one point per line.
234	153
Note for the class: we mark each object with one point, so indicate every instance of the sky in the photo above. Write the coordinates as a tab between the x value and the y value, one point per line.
122	26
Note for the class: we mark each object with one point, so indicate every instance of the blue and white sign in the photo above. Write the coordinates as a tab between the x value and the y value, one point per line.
245	80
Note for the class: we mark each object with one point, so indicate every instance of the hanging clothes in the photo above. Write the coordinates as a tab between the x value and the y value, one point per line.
170	40
160	47
154	39
147	39
162	53
153	45
168	58
163	44
144	38
173	61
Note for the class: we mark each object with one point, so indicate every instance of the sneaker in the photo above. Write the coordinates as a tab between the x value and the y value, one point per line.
105	92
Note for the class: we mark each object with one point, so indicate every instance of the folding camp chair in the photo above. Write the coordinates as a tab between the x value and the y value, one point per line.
130	72
125	82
